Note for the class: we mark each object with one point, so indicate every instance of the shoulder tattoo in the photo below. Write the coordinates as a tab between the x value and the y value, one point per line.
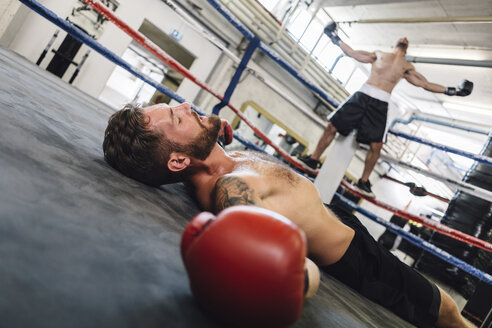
230	191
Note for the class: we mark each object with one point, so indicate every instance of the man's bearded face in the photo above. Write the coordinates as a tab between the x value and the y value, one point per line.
202	145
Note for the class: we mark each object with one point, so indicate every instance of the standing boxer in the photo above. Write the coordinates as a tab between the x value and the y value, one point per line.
160	144
366	110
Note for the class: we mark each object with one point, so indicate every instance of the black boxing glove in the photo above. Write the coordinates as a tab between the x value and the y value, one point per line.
331	31
463	90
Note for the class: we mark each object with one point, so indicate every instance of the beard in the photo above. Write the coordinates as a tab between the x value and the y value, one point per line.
202	145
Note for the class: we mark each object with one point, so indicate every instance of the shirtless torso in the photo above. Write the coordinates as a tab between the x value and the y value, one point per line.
257	179
387	70
251	178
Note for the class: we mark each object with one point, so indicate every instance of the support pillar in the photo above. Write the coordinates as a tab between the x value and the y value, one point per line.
339	156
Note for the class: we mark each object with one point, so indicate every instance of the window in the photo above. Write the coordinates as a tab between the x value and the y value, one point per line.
298	23
343	69
309	31
123	87
327	54
312	34
269	4
355	82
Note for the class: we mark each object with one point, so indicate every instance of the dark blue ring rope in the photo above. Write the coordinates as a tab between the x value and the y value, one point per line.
253	44
479	158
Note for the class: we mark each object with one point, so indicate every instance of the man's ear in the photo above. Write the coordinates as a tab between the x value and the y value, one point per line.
178	162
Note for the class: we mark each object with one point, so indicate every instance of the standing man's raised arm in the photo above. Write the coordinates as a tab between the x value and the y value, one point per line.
359	55
417	79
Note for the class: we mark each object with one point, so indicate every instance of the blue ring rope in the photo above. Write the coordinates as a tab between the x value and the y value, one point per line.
232	19
438	122
419	242
479	158
82	37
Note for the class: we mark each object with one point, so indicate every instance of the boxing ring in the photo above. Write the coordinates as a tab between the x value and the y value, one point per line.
254	44
85	245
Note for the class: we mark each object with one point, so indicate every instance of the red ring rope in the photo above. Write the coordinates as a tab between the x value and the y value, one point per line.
441	228
443	199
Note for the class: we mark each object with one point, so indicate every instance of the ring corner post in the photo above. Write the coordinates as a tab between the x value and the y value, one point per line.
252	46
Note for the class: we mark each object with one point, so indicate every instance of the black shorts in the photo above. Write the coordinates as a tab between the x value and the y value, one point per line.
364	113
374	272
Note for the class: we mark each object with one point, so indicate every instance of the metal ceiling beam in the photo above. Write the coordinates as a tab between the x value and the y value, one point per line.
447	61
456	19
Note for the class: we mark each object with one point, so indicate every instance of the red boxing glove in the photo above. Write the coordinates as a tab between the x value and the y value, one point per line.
225	134
246	266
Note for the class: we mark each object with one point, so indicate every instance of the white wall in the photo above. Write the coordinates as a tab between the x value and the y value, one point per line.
251	89
12	14
35	33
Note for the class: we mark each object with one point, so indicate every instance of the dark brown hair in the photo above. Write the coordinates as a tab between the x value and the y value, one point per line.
134	150
402	45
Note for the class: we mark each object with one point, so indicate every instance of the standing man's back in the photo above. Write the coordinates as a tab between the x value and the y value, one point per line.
366	110
388	69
